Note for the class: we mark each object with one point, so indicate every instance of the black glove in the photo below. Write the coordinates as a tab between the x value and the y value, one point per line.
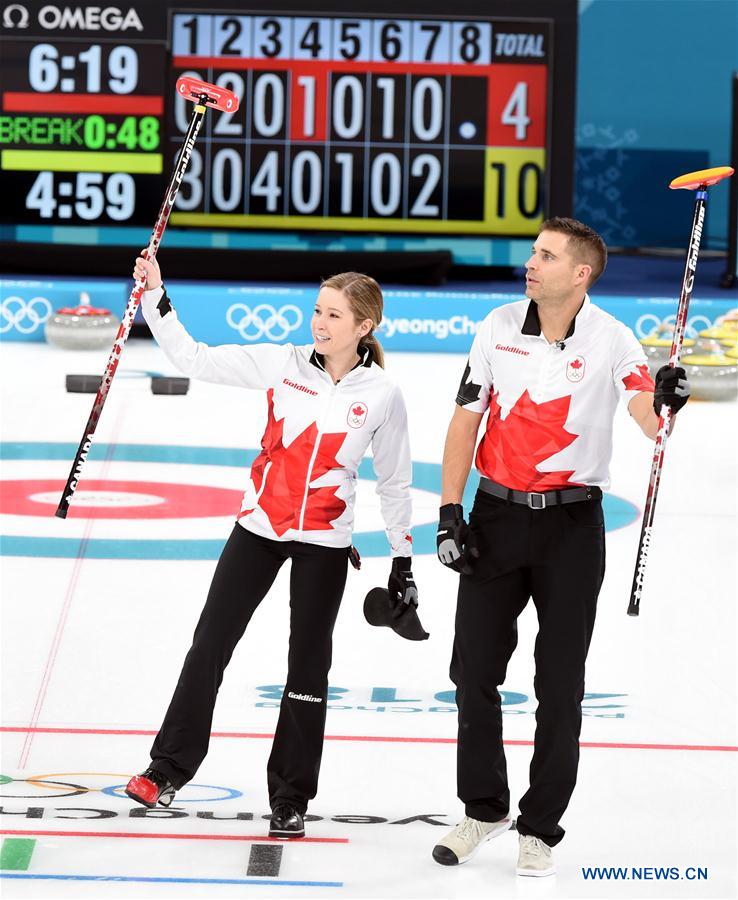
454	541
672	388
401	585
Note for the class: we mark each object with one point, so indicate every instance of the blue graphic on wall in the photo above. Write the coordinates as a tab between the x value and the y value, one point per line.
425	321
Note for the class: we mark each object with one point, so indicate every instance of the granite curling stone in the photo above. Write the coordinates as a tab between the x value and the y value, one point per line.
82	327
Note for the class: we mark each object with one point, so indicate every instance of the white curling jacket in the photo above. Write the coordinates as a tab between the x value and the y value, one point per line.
303	483
551	405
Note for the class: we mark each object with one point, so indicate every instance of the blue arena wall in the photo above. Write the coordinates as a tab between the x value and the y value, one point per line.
435	321
654	84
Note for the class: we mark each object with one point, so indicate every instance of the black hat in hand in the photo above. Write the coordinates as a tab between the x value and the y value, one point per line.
379	609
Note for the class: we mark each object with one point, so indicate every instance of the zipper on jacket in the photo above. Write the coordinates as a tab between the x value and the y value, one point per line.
308	478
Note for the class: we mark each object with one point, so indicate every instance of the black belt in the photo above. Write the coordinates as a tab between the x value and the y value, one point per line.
539	501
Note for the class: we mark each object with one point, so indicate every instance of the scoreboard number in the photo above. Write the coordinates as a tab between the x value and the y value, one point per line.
46	68
93	194
515	111
349	122
367	123
81	126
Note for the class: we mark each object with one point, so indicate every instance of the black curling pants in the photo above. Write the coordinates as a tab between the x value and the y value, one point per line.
246	570
557	557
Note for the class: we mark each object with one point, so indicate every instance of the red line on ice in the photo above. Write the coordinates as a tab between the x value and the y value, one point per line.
69	596
178	837
55	643
598	745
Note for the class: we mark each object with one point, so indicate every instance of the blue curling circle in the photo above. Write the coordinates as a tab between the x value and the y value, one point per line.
426	477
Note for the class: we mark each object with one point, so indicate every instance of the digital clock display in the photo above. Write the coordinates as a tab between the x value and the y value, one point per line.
390	120
81	122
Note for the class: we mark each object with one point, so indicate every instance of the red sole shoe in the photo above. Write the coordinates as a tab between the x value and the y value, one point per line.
143	791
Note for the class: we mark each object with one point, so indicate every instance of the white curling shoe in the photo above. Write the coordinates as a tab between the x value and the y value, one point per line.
463	841
535	857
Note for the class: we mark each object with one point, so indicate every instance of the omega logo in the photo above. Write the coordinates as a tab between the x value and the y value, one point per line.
85	18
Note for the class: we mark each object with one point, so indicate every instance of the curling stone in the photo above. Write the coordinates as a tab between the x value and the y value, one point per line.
712	376
708	346
729	322
726	329
82	327
658	349
657	346
730	344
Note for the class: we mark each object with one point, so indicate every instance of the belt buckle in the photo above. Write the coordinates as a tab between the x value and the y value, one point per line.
533	505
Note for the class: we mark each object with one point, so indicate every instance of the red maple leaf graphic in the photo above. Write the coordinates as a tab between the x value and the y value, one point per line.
512	448
357	410
640	380
284	490
576	364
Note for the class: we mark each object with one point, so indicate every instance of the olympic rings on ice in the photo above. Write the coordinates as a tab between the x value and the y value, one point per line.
48	788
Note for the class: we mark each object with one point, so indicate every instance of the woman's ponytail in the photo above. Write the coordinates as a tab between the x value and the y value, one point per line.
370	341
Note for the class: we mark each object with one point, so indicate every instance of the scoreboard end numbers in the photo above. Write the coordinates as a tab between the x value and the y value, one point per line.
367	123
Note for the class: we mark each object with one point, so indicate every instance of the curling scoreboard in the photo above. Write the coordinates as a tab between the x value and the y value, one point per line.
369	122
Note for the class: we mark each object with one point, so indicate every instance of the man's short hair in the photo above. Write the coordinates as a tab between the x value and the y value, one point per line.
585	245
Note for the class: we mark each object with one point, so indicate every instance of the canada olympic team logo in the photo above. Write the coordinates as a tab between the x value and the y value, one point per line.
357	415
23	316
264	321
575	369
